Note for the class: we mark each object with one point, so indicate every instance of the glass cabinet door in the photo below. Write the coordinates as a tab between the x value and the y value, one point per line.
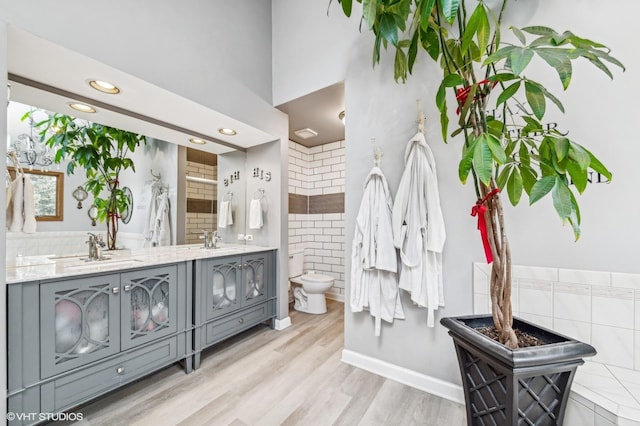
79	322
254	277
149	305
222	285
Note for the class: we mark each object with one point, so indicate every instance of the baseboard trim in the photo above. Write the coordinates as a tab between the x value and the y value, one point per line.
334	296
281	324
425	383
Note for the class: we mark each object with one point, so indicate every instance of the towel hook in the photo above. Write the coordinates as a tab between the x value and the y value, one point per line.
377	153
421	116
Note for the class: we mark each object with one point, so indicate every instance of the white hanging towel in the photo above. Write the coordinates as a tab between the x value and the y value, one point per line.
29	207
255	214
225	215
418	228
162	225
152	215
374	280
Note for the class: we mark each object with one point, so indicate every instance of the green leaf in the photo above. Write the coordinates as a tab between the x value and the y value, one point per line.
514	187
574	217
578	176
560	61
529	178
464	167
519	59
598	63
561	146
430	42
508	93
346	7
535	98
597	166
539	30
561	195
483	33
388	28
504	176
579	155
450	9
413	50
426	7
441	98
400	65
519	34
502	77
369	10
524	156
499	55
470	30
483	160
541	188
496	148
452	80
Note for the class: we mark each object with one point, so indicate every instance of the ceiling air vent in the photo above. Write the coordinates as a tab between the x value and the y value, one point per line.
306	133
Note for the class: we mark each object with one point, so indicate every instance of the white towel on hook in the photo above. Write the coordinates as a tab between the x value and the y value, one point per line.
17	205
29	207
225	215
255	214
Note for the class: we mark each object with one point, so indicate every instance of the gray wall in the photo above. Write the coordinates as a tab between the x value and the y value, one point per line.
3	226
600	114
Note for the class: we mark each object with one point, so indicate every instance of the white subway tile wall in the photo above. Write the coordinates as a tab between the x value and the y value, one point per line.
319	171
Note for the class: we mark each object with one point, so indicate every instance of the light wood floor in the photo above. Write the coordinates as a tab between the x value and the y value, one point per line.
268	377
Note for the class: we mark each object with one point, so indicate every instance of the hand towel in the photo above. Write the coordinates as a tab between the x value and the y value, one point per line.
225	215
29	207
255	214
17	205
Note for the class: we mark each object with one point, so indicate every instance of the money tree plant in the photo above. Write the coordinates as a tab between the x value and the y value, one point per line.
500	108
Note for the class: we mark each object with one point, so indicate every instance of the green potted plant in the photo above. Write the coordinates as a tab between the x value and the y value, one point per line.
506	149
103	152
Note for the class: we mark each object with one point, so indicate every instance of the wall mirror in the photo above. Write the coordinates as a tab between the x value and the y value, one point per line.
48	190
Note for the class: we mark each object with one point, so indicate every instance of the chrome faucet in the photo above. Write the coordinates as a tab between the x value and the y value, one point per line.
95	246
211	239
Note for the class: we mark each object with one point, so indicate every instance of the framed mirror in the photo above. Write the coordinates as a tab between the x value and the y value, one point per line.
48	190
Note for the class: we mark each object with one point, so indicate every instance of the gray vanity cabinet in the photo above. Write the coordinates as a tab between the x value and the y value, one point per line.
73	339
79	322
232	294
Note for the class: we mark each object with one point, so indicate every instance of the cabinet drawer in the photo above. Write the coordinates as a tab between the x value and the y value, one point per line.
78	387
233	324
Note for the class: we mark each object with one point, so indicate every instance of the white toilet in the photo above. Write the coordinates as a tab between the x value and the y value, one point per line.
309	297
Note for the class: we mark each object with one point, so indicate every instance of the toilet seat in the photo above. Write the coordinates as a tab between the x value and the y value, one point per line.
316	278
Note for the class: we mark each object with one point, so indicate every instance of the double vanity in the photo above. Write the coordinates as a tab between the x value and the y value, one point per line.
78	329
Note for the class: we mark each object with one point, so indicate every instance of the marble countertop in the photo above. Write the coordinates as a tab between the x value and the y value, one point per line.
34	268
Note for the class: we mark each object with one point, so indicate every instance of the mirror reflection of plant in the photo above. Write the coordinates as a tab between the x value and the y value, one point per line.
506	146
103	152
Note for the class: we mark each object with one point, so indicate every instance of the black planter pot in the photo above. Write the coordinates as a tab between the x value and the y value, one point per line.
526	386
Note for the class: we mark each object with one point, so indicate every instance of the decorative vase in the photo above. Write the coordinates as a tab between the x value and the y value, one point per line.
524	386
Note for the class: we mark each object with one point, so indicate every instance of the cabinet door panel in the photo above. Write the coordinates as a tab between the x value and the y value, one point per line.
222	286
79	321
255	275
149	305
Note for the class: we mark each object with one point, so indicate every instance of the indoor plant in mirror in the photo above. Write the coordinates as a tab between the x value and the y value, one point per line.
103	152
506	148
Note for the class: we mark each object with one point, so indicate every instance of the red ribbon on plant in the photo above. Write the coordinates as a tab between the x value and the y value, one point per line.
478	210
463	93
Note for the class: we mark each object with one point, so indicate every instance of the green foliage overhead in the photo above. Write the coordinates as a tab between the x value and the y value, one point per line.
512	148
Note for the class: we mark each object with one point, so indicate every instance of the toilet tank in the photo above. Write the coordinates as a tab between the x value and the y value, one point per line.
296	262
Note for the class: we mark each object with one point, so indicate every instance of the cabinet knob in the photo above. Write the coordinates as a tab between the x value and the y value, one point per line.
120	370
127	288
115	290
241	321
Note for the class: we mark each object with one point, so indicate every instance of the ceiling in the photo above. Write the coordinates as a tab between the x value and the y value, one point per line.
168	117
317	111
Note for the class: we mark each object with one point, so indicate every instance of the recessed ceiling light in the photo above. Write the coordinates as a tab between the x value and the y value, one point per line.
104	86
306	133
81	107
197	141
227	132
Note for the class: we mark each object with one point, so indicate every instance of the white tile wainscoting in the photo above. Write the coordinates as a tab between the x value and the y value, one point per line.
599	308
